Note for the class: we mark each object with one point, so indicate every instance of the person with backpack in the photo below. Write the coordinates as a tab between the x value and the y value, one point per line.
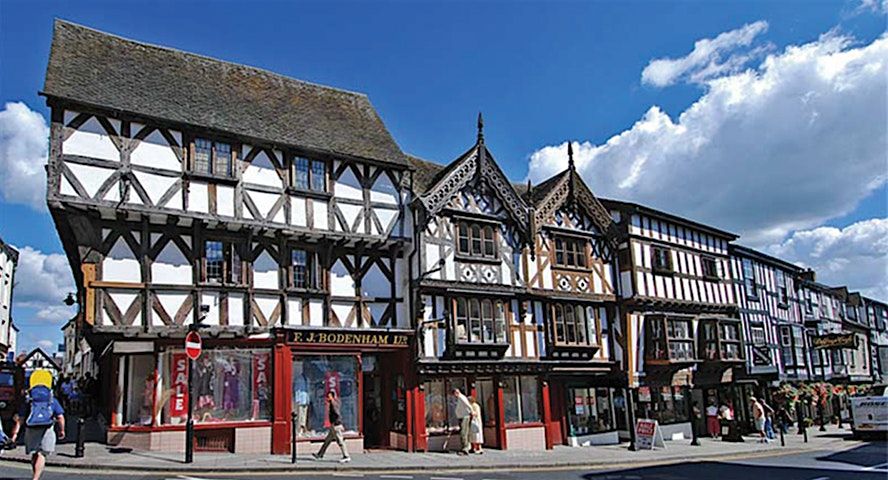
42	415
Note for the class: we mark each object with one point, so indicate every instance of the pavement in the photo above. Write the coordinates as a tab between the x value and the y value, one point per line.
102	458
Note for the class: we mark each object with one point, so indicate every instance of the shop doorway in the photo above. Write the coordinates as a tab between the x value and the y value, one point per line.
485	393
372	407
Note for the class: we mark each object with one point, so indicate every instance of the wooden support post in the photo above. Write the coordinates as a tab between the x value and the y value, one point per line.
282	367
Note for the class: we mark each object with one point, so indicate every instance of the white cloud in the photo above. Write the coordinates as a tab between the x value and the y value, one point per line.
875	6
23	143
41	282
711	57
789	145
46	345
856	256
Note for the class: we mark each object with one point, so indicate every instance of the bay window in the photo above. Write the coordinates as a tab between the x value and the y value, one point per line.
720	340
669	338
479	320
575	324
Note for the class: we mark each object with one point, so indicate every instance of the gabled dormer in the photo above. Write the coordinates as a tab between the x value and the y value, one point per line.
574	236
473	222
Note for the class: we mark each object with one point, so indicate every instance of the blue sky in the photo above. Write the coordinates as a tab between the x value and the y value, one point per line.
541	73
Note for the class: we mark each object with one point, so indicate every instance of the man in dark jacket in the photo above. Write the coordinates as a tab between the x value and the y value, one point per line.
334	414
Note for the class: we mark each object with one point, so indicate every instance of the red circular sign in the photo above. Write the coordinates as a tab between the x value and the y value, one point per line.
193	345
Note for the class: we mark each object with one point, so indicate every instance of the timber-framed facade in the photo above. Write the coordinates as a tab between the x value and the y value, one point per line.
279	229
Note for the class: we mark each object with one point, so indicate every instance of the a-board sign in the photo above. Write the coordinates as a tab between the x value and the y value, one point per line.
648	435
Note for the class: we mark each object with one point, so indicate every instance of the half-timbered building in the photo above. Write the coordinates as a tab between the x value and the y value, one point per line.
573	287
765	289
272	211
679	325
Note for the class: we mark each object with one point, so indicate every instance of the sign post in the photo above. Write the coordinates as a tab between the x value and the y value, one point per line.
193	347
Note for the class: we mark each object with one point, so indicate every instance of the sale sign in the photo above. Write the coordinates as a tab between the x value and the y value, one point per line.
179	377
331	384
260	375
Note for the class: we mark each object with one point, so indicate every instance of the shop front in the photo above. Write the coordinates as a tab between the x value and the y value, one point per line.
232	396
369	372
512	405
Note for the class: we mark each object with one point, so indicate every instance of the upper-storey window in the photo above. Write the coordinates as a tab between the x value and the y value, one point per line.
710	267
304	266
661	259
669	338
570	252
480	321
782	293
749	279
476	240
310	174
223	263
212	158
574	324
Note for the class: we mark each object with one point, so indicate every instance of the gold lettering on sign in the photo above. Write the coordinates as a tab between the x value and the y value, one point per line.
367	339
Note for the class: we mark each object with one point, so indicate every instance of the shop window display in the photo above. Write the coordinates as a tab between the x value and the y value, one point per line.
230	385
140	382
440	405
591	411
521	399
665	404
313	377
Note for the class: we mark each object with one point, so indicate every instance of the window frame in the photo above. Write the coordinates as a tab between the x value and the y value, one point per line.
311	174
474	315
748	270
233	272
212	158
581	322
477	236
657	253
661	330
313	270
710	267
571	252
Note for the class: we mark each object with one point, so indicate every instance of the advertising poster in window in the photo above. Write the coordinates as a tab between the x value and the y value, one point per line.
666	392
179	374
260	383
331	384
644	394
579	406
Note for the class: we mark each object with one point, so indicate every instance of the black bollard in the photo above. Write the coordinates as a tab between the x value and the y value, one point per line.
782	440
293	418
78	448
805	433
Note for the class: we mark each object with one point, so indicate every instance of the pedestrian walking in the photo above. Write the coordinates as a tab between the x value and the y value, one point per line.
464	414
477	428
712	426
43	419
784	420
758	415
769	420
334	434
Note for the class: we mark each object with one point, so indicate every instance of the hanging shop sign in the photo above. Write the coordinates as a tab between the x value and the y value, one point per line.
835	340
648	435
369	339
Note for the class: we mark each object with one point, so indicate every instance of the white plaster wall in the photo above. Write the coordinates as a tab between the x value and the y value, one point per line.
155	185
171	267
347	186
341	310
266	304
294	311
384	191
91	178
316	312
211	299
320	215
375	284
341	283
235	310
386	217
121	264
261	171
154	151
91	140
198	198
265	271
297	211
171	302
224	200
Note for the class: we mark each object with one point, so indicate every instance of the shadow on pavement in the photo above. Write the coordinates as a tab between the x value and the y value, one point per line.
729	471
865	455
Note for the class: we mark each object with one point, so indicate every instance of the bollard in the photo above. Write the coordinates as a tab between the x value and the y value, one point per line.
782	440
293	418
805	433
78	448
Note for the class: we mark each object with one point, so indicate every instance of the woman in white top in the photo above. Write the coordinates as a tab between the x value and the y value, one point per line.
712	426
477	434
